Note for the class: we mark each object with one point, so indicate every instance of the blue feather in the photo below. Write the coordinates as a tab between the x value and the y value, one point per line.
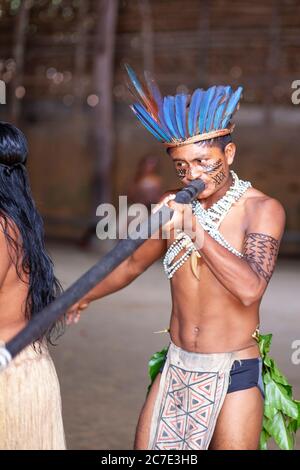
180	113
193	111
220	111
136	83
214	104
154	91
169	115
197	111
164	126
207	97
231	106
149	122
149	128
218	115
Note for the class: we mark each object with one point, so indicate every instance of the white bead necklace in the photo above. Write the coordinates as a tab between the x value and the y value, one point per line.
210	219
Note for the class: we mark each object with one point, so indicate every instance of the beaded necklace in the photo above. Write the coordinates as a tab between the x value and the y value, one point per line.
210	219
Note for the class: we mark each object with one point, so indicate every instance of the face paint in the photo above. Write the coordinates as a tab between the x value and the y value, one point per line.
181	172
181	169
218	178
212	168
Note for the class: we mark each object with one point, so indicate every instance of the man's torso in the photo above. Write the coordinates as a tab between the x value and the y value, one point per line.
206	317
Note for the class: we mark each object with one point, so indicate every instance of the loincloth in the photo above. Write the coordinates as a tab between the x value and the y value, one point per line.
191	393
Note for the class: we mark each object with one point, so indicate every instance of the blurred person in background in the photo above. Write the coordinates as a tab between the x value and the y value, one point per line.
146	187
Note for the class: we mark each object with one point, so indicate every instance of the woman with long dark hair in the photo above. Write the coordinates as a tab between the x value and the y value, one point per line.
30	403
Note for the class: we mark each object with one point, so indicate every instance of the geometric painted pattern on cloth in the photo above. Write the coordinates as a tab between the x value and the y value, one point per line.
188	409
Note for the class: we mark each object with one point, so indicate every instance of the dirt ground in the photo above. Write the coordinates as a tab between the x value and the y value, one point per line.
102	361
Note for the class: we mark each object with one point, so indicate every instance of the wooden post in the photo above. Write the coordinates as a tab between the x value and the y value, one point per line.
19	58
147	35
204	43
80	53
272	62
102	114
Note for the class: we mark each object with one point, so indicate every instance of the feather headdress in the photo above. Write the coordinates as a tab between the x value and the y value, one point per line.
183	119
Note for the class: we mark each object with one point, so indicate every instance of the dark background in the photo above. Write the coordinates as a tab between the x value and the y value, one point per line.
62	61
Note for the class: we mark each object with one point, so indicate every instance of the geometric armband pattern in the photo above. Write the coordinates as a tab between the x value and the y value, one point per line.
260	251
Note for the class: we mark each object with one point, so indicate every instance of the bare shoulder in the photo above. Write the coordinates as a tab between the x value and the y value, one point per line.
264	211
258	202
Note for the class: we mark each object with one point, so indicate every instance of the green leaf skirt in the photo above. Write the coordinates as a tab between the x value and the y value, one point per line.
281	412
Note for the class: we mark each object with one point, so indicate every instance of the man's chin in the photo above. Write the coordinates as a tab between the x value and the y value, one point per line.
209	191
205	194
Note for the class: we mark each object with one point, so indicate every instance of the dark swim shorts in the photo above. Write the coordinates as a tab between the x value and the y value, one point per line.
244	373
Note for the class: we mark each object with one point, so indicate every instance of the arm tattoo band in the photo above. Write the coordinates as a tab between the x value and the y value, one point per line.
260	251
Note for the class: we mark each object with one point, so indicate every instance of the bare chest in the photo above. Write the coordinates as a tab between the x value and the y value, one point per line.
194	269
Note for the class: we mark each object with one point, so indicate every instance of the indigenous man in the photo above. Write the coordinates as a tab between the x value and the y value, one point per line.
209	393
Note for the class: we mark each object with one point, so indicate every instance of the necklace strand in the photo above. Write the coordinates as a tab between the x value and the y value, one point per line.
210	219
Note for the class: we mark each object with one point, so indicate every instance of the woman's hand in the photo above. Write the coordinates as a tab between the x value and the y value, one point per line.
74	312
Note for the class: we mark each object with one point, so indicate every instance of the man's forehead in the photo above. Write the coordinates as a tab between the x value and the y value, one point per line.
195	152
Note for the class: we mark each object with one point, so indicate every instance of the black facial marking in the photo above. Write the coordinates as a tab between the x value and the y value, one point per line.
214	167
218	178
181	172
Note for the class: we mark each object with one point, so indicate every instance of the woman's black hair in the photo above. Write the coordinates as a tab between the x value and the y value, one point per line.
23	228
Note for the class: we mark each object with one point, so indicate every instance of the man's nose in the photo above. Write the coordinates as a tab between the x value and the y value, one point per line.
194	173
